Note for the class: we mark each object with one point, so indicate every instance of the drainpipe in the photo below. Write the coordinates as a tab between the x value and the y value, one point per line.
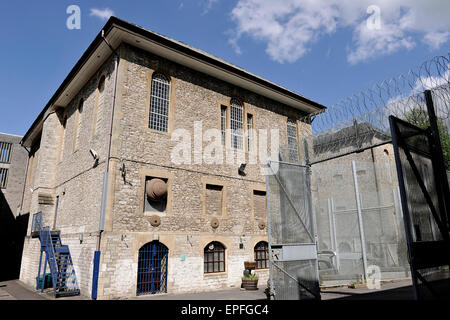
105	177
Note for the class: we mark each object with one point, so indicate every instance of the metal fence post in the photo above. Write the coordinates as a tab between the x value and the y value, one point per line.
269	225
333	232
360	222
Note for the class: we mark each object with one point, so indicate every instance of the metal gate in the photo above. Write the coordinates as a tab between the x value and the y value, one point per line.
292	245
152	268
425	201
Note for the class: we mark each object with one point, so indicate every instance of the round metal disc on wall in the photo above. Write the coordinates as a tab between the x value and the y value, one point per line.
155	221
156	189
214	223
261	225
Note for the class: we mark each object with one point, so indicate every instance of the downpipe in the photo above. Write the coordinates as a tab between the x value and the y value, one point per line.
97	253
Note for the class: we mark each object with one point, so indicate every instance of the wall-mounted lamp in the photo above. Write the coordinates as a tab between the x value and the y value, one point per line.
241	244
241	169
94	155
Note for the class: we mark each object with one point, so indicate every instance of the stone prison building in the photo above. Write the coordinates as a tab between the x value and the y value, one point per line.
102	174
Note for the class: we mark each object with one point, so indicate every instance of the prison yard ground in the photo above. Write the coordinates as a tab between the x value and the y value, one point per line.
395	290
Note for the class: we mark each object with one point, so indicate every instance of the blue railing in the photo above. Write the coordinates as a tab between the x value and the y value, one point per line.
57	257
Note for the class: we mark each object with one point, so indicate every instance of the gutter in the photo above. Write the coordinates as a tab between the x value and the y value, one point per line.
173	45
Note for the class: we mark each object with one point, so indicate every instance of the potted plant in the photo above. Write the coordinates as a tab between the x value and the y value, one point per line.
250	281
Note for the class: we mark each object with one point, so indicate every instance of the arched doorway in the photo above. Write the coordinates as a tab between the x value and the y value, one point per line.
152	268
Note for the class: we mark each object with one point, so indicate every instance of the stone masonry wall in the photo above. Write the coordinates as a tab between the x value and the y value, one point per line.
185	228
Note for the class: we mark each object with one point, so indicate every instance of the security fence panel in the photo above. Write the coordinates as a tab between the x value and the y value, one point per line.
359	220
424	208
293	251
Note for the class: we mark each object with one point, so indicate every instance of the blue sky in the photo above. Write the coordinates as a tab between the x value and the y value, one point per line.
320	49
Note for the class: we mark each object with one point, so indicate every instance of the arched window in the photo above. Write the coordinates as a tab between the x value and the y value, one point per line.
152	268
237	124
62	138
100	103
159	103
78	124
262	255
214	257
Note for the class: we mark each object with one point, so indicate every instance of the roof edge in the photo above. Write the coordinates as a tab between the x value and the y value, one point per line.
173	44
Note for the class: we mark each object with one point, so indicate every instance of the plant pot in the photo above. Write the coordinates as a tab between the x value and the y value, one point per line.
250	284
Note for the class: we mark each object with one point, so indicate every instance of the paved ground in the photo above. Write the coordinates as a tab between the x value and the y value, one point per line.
399	290
16	290
396	290
229	294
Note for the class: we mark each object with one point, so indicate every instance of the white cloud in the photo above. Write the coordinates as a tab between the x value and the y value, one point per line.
435	39
103	14
291	27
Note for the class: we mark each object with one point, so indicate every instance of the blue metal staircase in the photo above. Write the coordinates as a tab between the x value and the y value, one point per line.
58	258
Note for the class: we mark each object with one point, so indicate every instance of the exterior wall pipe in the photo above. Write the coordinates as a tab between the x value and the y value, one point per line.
97	253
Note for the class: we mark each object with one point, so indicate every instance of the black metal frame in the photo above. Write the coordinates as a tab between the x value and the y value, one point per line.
209	263
152	268
424	254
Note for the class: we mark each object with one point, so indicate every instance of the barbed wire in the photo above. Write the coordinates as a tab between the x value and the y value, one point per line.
362	118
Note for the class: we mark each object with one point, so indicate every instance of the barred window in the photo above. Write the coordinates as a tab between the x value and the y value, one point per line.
292	140
237	123
261	255
223	123
250	132
3	177
5	152
214	257
159	103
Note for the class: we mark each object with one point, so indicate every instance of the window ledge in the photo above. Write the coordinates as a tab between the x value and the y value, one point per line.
217	274
165	133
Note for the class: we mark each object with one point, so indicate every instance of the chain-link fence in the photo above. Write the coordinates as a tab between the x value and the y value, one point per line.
343	193
293	256
359	220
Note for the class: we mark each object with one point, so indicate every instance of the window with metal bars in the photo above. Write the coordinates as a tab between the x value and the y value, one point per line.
292	140
3	177
159	103
214	257
237	124
250	132
262	255
5	152
223	123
